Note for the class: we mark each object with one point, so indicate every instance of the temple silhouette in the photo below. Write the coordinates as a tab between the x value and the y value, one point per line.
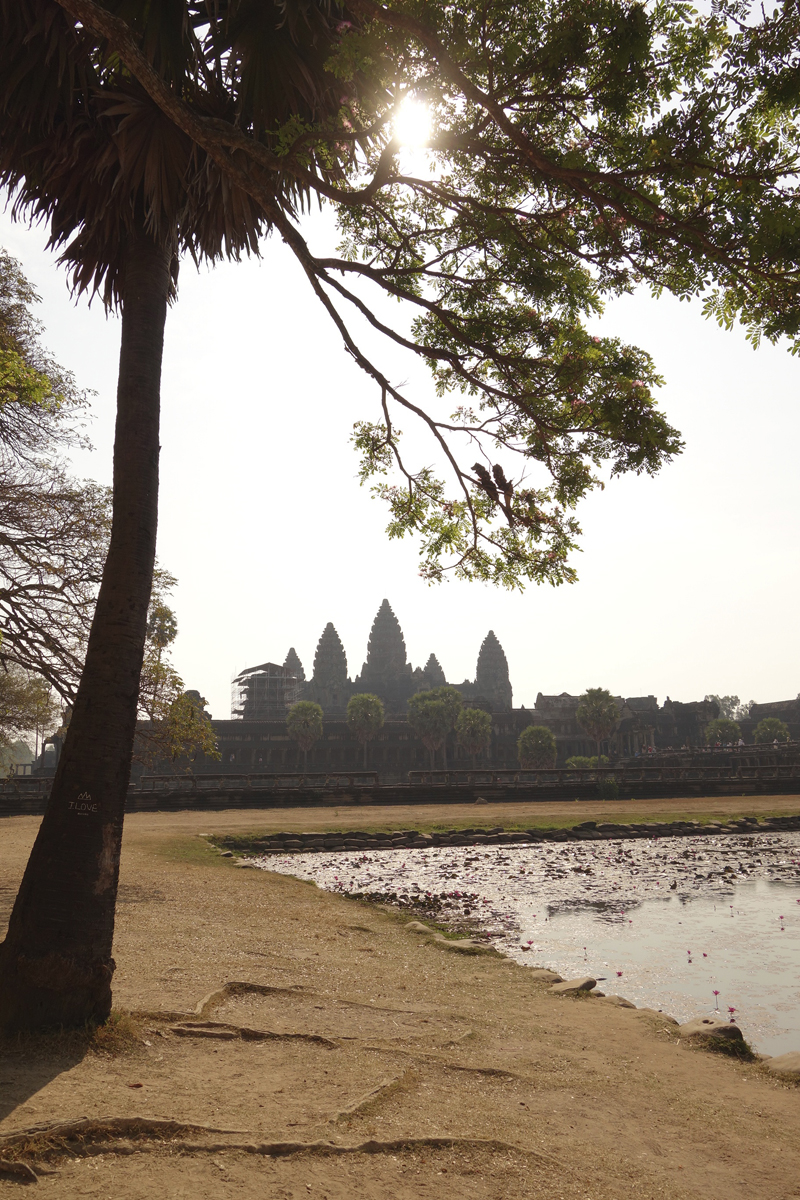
255	738
265	692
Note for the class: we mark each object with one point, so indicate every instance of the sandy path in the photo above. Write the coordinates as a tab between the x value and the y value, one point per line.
579	1098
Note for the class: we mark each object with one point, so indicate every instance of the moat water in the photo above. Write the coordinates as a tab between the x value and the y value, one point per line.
686	925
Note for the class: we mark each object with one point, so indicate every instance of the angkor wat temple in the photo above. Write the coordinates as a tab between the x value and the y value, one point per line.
256	739
264	693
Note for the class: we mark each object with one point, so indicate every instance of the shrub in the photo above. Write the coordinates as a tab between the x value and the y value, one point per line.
771	729
608	789
722	730
536	748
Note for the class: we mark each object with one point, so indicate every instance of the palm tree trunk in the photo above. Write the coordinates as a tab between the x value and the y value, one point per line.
366	744
55	964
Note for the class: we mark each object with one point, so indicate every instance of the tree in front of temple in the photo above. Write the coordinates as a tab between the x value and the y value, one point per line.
536	748
26	704
771	729
450	697
173	722
431	719
304	726
598	714
365	716
722	732
474	731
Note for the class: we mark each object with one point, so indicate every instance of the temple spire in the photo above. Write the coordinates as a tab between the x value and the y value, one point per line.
491	679
434	675
330	660
386	652
292	663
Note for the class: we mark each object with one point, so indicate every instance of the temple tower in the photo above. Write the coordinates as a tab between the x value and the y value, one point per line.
433	673
387	672
386	652
293	664
330	660
491	679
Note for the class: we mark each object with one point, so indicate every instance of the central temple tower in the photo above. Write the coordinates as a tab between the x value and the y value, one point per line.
387	671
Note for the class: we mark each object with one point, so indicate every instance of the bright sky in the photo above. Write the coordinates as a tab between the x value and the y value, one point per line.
688	582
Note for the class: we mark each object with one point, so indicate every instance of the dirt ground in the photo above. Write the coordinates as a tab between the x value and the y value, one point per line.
418	1071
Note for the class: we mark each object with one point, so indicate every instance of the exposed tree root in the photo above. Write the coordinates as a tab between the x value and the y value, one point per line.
216	998
87	1138
19	1172
241	988
378	1092
218	1029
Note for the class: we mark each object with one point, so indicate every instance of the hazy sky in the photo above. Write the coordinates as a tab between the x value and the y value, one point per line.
688	582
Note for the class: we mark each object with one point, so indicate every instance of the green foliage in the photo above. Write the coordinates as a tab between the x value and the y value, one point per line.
178	725
608	789
162	625
187	730
722	730
431	718
586	761
449	696
40	404
365	716
304	723
597	713
579	149
731	707
474	730
26	703
54	529
536	748
771	729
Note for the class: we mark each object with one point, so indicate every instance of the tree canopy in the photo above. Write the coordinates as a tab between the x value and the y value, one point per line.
598	714
474	730
304	724
430	718
26	703
576	150
722	730
771	729
365	716
176	725
54	528
536	748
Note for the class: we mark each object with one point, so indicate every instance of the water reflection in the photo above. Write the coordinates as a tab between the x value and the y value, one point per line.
674	953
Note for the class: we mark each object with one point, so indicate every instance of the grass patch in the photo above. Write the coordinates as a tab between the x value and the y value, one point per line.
731	1048
120	1034
191	851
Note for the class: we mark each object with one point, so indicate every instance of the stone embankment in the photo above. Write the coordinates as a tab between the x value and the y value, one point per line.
587	831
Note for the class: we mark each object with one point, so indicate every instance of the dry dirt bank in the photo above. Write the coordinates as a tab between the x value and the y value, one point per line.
404	1042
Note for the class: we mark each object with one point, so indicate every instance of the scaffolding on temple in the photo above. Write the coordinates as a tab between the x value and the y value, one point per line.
263	693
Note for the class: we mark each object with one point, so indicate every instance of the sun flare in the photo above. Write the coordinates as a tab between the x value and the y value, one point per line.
412	122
